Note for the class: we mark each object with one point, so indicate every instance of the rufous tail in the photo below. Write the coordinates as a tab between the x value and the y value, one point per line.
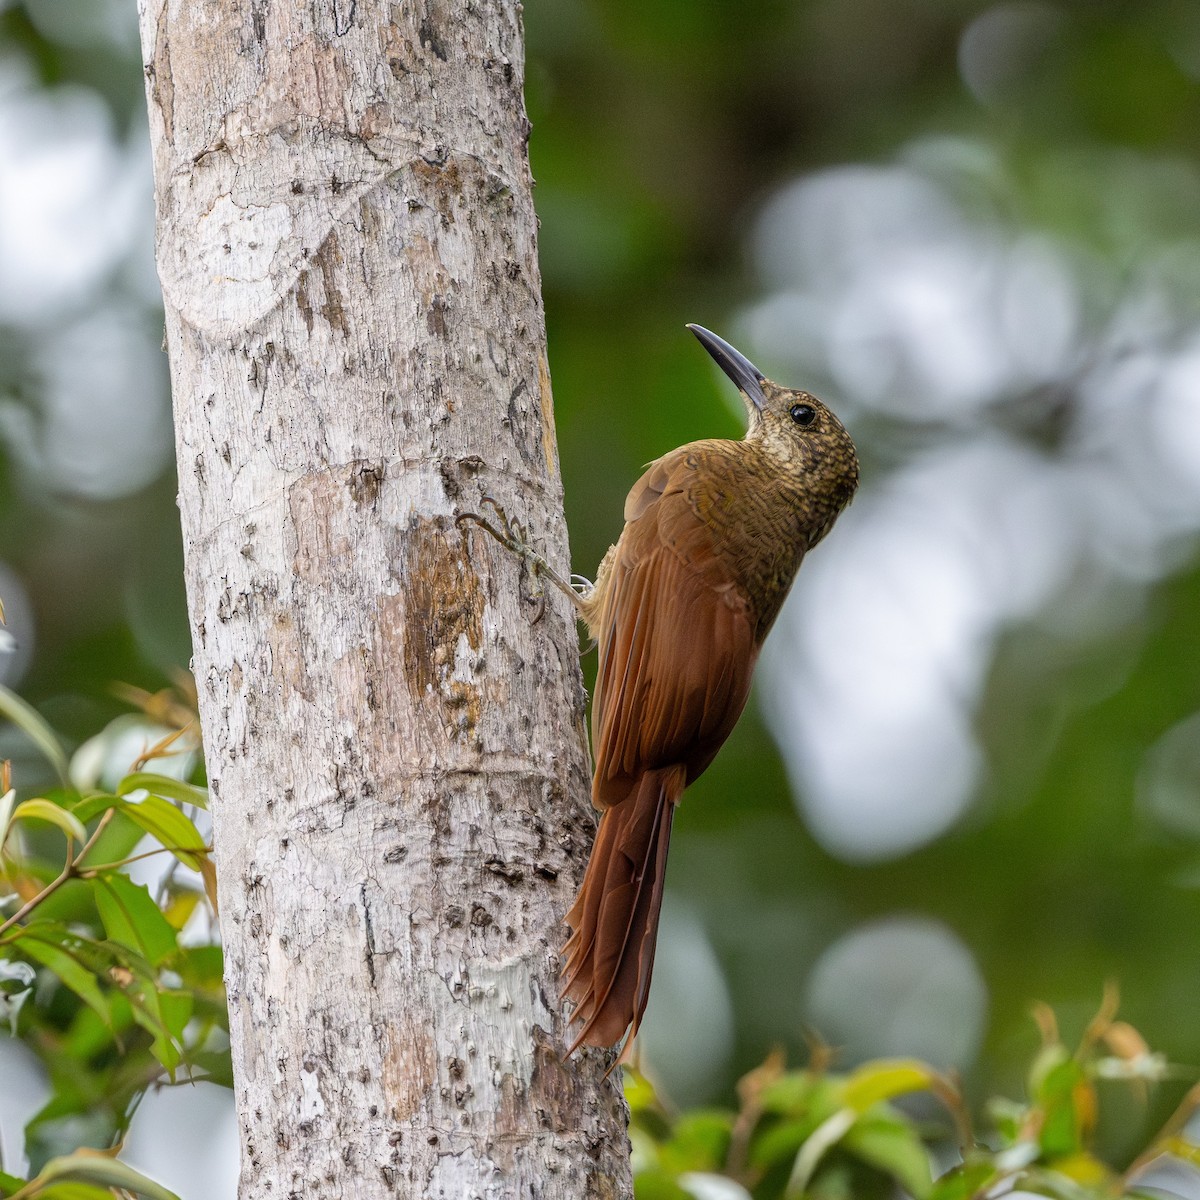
609	956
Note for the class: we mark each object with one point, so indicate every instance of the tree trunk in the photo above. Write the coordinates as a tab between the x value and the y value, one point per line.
348	257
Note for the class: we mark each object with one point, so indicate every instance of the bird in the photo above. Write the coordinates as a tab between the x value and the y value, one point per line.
714	534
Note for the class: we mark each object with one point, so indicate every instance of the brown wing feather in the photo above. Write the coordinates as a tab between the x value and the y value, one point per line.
677	643
677	650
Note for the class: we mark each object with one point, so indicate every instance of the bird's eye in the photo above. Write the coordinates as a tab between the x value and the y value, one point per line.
803	414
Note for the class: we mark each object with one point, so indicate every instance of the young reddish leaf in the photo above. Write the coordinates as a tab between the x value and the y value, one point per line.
208	872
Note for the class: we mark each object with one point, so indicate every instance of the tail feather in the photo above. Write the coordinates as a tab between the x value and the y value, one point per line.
614	920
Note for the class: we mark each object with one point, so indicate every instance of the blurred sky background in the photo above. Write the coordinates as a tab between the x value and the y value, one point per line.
970	778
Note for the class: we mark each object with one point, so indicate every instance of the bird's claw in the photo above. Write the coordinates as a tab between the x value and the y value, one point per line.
512	535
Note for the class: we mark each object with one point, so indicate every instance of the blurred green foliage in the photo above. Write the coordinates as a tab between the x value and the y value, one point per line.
94	978
815	1134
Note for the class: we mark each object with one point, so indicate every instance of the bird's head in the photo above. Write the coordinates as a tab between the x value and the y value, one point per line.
793	426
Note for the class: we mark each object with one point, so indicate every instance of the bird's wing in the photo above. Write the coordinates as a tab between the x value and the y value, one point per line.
677	641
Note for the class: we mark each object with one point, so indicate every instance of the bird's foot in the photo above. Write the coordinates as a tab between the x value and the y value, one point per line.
513	536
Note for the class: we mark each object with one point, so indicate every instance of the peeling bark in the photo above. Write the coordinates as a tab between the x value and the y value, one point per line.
348	258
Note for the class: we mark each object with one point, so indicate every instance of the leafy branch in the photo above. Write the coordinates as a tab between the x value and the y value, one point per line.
814	1133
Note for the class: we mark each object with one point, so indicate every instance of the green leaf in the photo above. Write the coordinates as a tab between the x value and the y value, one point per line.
781	1142
163	785
10	1184
892	1145
820	1142
31	724
158	817
883	1079
202	966
173	830
1048	1059
46	810
99	1169
1061	1127
75	1191
132	918
657	1184
93	805
164	1014
698	1142
1182	1148
798	1091
966	1181
59	952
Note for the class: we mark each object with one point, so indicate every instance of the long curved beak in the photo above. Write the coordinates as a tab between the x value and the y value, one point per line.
745	375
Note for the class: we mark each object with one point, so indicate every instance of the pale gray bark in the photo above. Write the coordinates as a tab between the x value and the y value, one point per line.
348	257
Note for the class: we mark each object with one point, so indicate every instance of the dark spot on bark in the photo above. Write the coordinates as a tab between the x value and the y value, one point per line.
480	917
446	468
456	1067
370	932
163	89
302	301
455	916
328	257
442	613
546	872
429	39
507	871
343	16
524	425
395	854
365	483
435	318
258	21
502	65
